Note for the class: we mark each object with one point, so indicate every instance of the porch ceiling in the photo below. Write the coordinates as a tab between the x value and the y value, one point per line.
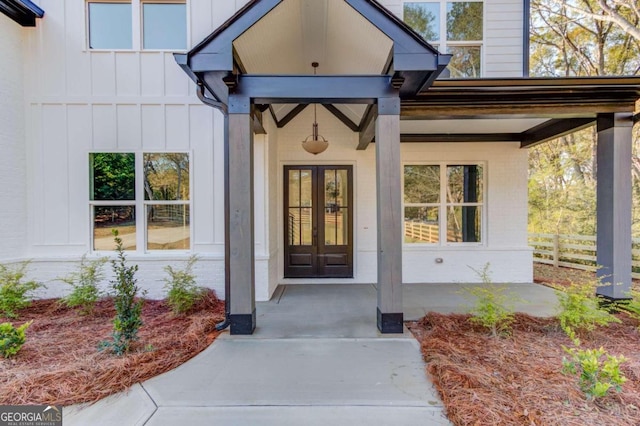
298	32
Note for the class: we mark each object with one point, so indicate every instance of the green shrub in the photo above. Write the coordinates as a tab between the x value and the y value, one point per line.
631	306
579	308
14	291
11	338
85	281
597	371
491	309
128	308
182	291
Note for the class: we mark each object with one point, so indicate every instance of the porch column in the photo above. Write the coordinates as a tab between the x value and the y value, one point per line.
614	204
239	235
389	213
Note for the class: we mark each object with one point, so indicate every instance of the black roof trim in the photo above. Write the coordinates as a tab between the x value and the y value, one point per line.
24	12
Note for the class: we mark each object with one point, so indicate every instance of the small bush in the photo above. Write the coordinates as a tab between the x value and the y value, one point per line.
597	371
85	281
128	308
491	309
631	306
579	308
11	338
182	291
14	291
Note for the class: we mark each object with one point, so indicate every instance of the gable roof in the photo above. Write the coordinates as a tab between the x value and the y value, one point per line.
24	12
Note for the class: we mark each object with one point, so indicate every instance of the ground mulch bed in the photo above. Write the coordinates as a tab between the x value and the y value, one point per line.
558	277
61	365
517	379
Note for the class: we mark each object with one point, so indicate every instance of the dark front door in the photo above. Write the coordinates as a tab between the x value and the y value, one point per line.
318	211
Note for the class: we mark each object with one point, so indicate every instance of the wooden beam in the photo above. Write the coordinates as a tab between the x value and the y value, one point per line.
290	115
257	124
367	127
459	137
389	214
239	221
613	193
552	129
342	117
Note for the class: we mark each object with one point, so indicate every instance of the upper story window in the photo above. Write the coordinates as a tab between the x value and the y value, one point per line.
454	27
137	24
443	203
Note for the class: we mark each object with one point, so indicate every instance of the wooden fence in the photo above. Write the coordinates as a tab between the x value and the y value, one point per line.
575	251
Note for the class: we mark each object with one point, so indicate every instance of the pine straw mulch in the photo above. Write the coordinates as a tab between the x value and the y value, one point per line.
517	380
558	277
61	365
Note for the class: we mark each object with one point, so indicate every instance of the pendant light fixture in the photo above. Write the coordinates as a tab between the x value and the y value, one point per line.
315	143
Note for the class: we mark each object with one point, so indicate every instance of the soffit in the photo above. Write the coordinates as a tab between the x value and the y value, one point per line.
298	32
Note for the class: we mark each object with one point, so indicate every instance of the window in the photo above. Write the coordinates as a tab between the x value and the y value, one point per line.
159	25
110	26
452	27
443	203
163	212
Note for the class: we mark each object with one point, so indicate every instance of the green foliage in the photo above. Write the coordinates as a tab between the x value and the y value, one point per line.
14	291
631	306
128	310
11	338
182	291
85	281
579	309
491	309
597	371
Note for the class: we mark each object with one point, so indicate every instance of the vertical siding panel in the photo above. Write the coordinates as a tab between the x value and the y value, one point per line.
103	74
79	134
152	66
36	180
129	128
104	127
177	127
218	176
176	82
53	48
153	135
55	167
78	60
201	126
200	15
222	11
127	74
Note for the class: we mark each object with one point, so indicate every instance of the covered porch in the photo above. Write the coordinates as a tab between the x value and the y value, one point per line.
377	78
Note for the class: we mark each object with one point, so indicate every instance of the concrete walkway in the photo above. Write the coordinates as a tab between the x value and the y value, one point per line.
316	358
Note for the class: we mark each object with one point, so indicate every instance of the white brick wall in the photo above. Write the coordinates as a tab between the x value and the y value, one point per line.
12	148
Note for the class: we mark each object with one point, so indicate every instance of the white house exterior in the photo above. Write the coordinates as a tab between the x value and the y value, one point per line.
63	102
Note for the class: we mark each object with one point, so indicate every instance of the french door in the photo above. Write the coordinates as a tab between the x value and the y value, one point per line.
318	226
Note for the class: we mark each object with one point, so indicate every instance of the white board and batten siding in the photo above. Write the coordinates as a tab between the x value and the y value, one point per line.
80	101
13	226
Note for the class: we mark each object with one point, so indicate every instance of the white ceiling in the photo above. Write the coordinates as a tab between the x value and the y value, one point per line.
298	32
467	126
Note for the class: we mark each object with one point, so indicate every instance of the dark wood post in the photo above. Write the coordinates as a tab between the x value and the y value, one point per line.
239	235
614	204
389	213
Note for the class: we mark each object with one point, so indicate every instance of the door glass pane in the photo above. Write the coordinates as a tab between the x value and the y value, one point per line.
421	184
424	18
110	26
342	182
300	227
166	176
107	218
306	227
342	227
463	224
168	227
294	188
421	225
330	226
306	192
293	227
464	21
165	26
464	184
